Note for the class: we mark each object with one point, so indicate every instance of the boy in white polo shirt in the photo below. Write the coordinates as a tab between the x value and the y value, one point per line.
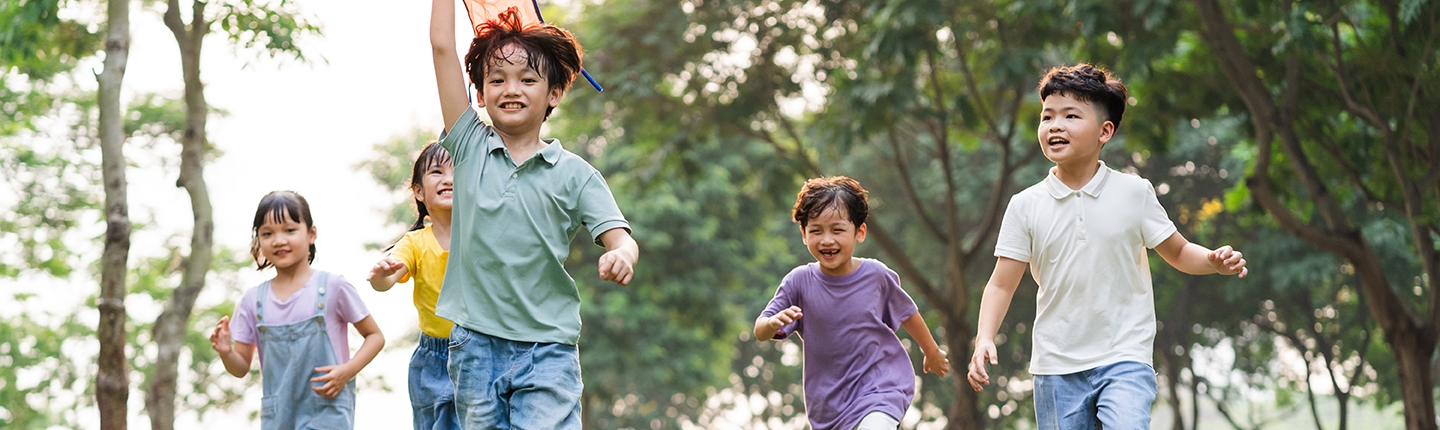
1083	231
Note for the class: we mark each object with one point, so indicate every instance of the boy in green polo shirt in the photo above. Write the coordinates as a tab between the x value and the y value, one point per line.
518	202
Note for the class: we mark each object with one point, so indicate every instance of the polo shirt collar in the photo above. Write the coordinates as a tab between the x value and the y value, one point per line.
1059	190
550	153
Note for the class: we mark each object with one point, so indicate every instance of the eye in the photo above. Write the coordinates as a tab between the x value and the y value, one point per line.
496	81
1072	116
1045	117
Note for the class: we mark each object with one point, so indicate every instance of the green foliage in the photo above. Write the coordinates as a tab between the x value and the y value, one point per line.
57	195
390	165
271	27
39	387
206	386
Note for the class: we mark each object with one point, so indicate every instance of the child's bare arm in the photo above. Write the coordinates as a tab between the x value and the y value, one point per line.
335	377
386	273
449	75
235	355
618	262
993	305
935	360
1198	260
765	327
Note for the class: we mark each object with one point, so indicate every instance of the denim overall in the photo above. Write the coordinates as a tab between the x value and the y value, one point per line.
292	352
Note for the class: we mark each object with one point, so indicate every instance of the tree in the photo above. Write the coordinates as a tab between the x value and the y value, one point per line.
252	24
1344	118
112	383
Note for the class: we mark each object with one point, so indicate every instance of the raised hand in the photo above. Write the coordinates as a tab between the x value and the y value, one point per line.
785	317
616	266
1227	261
386	267
220	338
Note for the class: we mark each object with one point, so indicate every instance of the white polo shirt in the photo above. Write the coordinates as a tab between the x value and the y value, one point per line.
1086	250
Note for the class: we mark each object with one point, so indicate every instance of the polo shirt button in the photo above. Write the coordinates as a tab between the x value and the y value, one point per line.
514	175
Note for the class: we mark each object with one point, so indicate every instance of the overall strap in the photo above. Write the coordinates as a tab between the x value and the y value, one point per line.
324	284
260	302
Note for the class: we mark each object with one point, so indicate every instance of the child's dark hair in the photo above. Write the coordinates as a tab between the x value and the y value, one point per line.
275	207
836	192
433	155
549	50
1089	84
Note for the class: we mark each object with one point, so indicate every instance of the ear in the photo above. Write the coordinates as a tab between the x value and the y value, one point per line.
1107	131
860	233
418	192
555	95
312	234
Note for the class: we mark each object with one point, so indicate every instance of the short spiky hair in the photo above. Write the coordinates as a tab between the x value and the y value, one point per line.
1089	84
549	50
836	192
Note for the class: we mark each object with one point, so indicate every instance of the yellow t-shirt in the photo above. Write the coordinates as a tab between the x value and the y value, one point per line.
425	261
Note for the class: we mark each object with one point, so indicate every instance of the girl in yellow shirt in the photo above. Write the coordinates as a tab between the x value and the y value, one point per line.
421	253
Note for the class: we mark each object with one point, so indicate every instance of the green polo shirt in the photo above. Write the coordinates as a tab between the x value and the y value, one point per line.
511	232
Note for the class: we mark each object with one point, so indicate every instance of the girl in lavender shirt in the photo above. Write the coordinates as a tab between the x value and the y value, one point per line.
857	375
298	323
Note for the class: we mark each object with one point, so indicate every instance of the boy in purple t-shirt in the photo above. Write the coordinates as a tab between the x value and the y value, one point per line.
857	375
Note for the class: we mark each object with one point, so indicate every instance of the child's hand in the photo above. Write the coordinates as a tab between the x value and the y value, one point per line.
335	378
220	338
1228	261
785	317
984	351
937	362
386	267
616	266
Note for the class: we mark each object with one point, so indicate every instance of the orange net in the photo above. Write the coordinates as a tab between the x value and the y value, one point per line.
485	10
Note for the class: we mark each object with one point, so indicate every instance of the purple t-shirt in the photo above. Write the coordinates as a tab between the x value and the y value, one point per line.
854	363
342	308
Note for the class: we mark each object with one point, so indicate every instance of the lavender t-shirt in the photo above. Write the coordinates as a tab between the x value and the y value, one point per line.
342	308
854	363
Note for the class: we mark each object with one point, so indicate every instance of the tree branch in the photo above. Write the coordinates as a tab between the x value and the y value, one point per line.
908	185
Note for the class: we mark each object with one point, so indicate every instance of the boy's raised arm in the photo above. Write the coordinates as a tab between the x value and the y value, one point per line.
1194	259
621	254
449	75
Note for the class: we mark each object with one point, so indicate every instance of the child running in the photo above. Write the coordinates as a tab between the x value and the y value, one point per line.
297	321
1083	231
421	253
519	200
847	309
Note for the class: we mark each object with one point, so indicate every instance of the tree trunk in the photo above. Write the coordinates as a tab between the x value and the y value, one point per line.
1412	356
965	412
171	325
112	381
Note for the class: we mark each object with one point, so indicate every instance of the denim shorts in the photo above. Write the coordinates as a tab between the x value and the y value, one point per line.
432	395
504	384
1116	396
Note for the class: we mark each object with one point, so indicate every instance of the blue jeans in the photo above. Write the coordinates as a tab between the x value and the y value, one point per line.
432	395
1116	396
504	384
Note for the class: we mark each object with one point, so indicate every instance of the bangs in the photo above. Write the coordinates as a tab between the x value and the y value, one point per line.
279	208
433	155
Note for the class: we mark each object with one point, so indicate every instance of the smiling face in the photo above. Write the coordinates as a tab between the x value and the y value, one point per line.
831	238
1072	131
283	241
437	187
514	94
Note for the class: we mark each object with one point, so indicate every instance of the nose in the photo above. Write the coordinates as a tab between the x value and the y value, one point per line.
448	179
